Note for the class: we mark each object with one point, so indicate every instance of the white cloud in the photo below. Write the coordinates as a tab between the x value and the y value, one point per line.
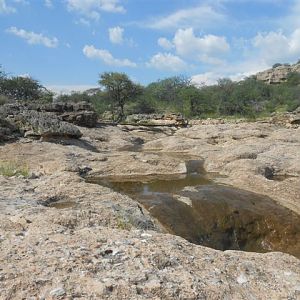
92	8
208	78
165	43
198	17
48	3
105	56
116	35
207	49
5	9
235	71
277	46
291	20
84	22
33	38
168	62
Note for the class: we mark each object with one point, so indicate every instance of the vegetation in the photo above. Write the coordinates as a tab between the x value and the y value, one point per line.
119	89
11	168
119	96
23	88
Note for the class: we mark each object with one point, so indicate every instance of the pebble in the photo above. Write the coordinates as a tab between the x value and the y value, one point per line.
58	292
241	279
146	235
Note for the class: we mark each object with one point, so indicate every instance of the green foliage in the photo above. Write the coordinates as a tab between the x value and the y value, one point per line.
276	65
249	98
23	88
119	89
12	168
20	88
293	79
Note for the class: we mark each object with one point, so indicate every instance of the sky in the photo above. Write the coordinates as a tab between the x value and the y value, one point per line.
66	44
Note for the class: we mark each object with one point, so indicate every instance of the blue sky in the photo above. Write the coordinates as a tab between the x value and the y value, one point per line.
66	43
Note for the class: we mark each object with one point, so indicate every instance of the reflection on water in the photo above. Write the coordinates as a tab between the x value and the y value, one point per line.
217	216
148	185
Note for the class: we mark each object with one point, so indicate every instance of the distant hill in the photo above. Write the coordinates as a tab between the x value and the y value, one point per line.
278	74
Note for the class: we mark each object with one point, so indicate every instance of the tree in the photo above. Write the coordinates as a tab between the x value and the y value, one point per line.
119	89
22	88
167	92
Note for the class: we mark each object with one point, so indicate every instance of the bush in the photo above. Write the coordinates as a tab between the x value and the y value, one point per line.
74	97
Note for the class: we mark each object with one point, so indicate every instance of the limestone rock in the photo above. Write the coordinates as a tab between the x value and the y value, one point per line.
288	119
157	119
7	130
45	125
278	74
81	114
101	246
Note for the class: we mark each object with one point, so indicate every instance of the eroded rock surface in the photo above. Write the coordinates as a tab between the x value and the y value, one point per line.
104	245
8	131
36	123
278	74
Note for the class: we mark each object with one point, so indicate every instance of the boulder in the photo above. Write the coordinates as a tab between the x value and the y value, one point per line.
287	118
80	118
81	113
7	130
46	125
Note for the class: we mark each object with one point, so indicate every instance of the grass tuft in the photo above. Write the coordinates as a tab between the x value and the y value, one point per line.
12	168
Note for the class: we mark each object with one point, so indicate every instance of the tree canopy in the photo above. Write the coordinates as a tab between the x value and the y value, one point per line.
120	89
22	88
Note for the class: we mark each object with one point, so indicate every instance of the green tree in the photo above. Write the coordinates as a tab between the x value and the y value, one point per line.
119	89
167	92
22	88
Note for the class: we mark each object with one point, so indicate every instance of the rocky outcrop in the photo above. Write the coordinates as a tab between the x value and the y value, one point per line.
157	119
81	114
7	131
278	74
102	244
287	119
36	124
103	236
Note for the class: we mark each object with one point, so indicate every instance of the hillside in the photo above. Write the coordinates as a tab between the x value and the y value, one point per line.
278	74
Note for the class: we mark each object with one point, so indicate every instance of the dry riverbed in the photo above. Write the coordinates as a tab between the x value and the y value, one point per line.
64	238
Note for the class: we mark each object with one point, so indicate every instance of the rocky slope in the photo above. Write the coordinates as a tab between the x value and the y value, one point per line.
278	74
102	244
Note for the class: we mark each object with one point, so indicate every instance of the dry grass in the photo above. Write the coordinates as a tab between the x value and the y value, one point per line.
12	168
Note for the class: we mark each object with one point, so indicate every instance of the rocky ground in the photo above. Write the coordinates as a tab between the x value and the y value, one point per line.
104	245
